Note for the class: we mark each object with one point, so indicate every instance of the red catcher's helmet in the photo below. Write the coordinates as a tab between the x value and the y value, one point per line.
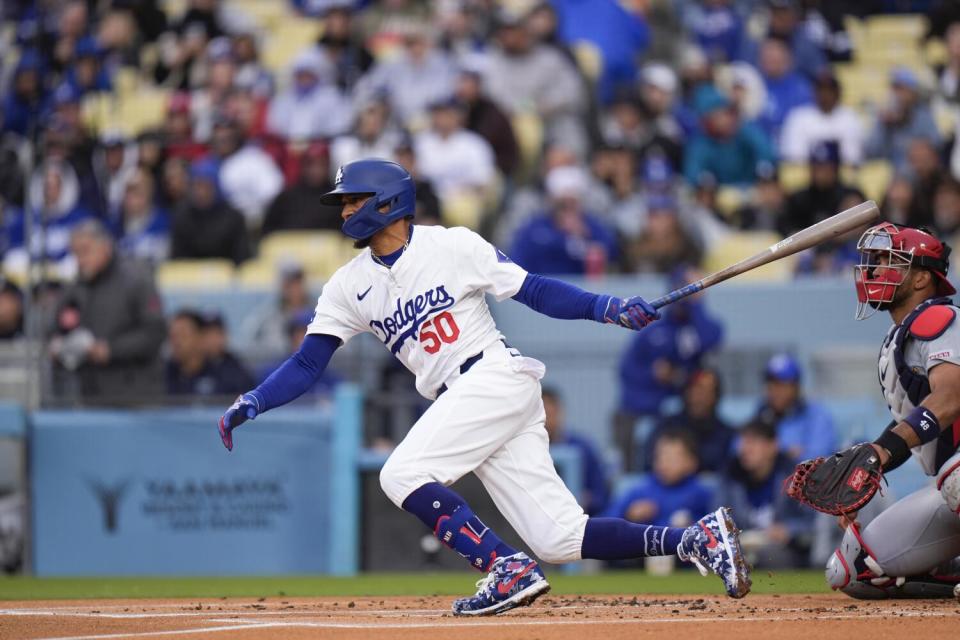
887	251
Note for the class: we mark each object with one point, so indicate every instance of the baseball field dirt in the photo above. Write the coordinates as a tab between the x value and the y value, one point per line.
554	616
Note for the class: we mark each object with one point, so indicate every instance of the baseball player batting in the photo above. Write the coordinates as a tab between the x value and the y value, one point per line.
421	291
908	550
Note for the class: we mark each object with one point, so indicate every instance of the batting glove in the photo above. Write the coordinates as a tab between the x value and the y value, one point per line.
245	407
631	313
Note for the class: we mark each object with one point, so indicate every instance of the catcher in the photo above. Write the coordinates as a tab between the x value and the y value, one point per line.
904	551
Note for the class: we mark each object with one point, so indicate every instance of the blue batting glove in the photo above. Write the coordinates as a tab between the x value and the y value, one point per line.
632	313
245	407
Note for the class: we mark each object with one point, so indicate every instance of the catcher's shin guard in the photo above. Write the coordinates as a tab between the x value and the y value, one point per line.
852	562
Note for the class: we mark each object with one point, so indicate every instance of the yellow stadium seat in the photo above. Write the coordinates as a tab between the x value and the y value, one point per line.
935	52
286	42
744	244
269	14
528	129
257	274
97	111
729	199
896	28
195	274
463	209
589	59
856	30
794	176
173	8
318	251
874	177
142	110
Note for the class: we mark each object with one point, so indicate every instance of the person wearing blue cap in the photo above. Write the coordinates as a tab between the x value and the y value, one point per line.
725	147
805	428
26	99
205	226
906	116
825	194
87	73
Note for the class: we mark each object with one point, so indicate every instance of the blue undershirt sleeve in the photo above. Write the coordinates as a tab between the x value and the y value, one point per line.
561	300
298	374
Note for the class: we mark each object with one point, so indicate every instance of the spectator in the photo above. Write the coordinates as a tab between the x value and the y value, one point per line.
766	207
151	153
926	174
11	311
231	374
785	16
52	202
664	242
208	100
946	209
86	73
373	136
566	239
268	324
713	435
418	76
72	24
672	494
299	206
897	200
786	88
804	428
113	162
341	45
249	178
620	33
182	47
659	361
427	204
455	160
658	95
250	71
188	369
311	106
178	130
25	100
175	183
295	328
905	117
143	227
485	118
716	27
205	226
726	149
110	325
822	198
625	124
596	491
777	531
825	120
522	75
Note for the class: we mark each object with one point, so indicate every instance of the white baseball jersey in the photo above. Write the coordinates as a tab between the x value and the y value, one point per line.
430	308
918	355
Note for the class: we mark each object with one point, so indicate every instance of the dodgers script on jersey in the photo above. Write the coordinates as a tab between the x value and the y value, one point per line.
430	308
920	355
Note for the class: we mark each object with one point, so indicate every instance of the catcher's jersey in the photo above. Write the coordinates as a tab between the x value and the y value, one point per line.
429	309
920	356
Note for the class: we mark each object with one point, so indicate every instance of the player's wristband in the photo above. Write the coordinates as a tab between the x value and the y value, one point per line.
897	447
924	424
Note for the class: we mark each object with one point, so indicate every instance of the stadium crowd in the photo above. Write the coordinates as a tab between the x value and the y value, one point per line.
582	137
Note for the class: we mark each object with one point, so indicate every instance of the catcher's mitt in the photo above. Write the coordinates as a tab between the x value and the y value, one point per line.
837	485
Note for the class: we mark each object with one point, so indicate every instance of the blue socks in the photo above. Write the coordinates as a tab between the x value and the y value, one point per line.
617	539
456	526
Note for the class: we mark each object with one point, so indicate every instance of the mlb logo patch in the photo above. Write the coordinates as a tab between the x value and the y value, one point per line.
857	479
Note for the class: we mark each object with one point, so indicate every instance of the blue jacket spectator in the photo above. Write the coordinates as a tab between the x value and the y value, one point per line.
596	487
87	73
716	27
673	494
141	226
621	35
905	118
714	437
785	24
804	428
777	531
786	88
25	100
189	370
725	148
567	239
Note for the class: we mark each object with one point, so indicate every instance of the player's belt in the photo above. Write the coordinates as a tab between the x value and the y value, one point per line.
469	362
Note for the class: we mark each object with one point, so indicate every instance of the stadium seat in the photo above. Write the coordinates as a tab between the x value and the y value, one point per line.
794	176
318	251
257	274
268	14
873	178
744	244
935	52
142	110
729	199
589	59
899	28
463	209
284	44
528	129
195	274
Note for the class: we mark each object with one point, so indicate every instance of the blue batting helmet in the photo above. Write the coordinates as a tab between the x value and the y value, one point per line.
387	183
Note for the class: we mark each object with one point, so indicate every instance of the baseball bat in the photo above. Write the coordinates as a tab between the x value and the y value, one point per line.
853	218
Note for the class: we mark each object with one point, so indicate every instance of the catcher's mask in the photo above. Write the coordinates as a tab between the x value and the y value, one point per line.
887	251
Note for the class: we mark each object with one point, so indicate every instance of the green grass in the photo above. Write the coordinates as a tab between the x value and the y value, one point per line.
383	584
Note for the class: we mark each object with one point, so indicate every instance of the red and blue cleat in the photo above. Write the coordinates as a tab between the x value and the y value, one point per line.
712	545
513	581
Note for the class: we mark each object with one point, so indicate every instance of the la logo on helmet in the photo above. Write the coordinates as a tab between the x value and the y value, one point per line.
339	177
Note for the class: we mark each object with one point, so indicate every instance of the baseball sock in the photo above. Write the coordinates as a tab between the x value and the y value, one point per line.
618	539
452	521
